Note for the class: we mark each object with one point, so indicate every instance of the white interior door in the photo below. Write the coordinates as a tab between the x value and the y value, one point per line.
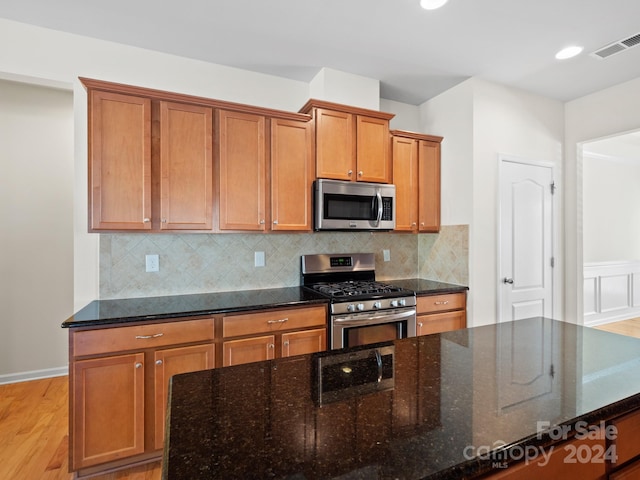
526	240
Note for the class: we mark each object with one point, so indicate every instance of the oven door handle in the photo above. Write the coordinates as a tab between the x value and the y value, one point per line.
363	319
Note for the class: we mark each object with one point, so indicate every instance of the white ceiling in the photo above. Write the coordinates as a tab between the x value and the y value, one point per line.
416	54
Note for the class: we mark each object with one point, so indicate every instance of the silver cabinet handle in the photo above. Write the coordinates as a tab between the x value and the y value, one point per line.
271	345
360	173
158	362
275	222
507	280
138	365
349	172
441	303
164	220
419	324
282	320
286	343
146	220
261	222
146	337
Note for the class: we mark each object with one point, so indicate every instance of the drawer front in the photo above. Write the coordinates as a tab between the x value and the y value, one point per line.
138	337
440	322
627	435
441	303
273	321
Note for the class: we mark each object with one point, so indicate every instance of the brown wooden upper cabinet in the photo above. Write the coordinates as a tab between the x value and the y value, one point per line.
351	143
119	161
150	164
186	167
416	175
254	176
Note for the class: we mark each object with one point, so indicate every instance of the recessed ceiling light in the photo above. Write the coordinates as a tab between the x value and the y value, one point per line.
568	52
432	4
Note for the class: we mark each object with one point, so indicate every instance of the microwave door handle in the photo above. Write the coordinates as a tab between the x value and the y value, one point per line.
379	195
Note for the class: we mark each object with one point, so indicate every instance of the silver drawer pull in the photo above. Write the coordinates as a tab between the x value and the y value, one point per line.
146	337
441	303
282	320
138	365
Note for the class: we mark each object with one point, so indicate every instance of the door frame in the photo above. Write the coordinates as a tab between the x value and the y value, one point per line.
555	235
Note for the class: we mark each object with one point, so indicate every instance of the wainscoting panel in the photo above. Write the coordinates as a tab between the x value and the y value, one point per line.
611	292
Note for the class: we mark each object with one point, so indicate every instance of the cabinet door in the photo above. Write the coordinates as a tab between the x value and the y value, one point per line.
303	342
373	160
429	189
291	175
242	171
335	144
440	322
248	350
108	409
119	161
186	165
171	362
405	178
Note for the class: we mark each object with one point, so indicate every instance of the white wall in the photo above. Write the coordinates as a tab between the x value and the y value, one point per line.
36	214
48	55
479	121
607	112
611	217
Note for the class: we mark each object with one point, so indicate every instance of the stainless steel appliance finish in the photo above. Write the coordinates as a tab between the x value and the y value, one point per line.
341	205
362	310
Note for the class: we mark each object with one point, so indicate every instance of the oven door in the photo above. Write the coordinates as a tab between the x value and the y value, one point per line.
365	328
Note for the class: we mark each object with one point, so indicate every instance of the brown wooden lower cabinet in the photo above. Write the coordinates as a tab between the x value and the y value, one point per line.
579	458
246	350
107	409
267	334
441	313
118	388
170	362
627	447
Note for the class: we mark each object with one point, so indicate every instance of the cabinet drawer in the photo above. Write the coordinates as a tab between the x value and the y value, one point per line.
441	303
627	435
273	321
440	322
138	337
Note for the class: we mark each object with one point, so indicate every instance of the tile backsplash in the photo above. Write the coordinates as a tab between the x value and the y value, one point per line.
198	263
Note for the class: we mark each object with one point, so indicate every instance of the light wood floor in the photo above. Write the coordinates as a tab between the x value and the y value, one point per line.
34	427
34	442
626	327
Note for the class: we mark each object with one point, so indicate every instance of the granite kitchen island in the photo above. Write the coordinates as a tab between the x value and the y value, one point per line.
468	403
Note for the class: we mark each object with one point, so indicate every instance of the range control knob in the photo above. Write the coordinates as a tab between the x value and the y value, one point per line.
360	306
351	308
403	302
394	303
377	304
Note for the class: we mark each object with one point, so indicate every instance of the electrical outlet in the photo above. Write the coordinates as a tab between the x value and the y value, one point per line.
152	263
386	254
259	259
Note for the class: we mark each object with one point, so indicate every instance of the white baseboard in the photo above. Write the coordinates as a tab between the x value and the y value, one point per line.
33	375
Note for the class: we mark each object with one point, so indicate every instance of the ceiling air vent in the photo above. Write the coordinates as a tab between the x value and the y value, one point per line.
617	47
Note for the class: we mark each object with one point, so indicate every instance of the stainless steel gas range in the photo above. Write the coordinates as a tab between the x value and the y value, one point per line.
362	310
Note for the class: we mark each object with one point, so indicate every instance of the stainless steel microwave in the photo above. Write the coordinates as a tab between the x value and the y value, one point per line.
341	205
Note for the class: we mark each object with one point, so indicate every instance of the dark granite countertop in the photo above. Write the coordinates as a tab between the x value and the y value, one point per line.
111	312
427	287
457	395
